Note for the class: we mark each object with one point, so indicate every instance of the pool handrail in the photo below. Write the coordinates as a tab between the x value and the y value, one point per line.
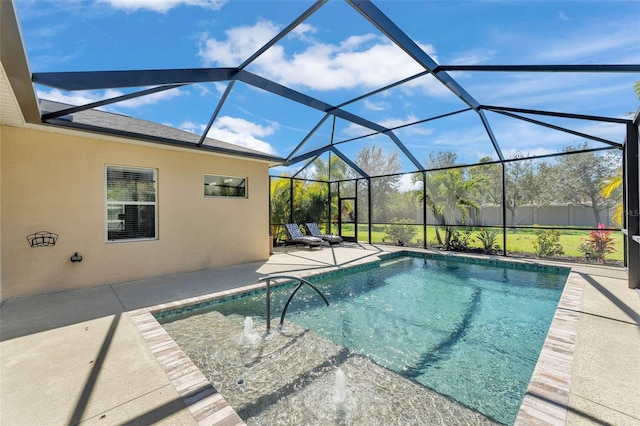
268	279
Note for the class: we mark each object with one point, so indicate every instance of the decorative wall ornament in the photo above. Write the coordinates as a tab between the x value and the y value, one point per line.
42	239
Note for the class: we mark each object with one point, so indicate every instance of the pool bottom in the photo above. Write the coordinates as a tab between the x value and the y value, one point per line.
293	371
547	396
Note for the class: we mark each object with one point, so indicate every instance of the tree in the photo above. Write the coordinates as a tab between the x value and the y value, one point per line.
280	205
548	183
451	194
525	183
310	201
490	176
375	161
405	205
442	159
521	185
611	189
584	176
334	170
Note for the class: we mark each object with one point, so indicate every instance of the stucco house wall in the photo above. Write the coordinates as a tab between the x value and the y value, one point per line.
52	181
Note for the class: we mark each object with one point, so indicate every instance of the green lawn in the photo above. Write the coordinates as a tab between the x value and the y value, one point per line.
521	240
518	241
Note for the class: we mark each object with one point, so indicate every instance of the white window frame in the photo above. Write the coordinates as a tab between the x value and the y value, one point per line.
109	203
209	178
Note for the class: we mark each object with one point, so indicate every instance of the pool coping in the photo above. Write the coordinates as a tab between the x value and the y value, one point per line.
545	402
547	397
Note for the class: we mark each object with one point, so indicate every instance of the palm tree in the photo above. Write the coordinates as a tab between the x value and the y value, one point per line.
611	185
449	193
615	182
280	205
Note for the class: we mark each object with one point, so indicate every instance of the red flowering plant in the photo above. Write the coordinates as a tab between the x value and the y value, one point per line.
599	244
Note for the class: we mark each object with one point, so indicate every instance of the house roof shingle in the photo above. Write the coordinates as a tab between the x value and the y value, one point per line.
126	126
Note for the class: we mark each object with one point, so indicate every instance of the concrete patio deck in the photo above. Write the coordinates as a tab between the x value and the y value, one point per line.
79	357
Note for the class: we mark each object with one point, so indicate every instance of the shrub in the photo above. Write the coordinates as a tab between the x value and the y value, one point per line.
402	233
488	240
460	240
599	244
547	243
587	248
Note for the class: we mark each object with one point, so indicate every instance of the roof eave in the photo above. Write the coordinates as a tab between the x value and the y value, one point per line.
270	159
14	61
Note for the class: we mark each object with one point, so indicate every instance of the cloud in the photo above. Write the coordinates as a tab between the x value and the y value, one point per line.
236	131
75	98
242	126
354	63
556	92
611	131
534	152
354	130
51	60
303	32
241	42
472	57
284	170
190	126
391	123
162	6
592	40
516	136
83	97
366	61
407	184
376	106
599	44
310	172
213	90
153	98
49	31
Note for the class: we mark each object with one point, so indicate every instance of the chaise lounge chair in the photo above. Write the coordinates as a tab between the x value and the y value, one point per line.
296	237
314	230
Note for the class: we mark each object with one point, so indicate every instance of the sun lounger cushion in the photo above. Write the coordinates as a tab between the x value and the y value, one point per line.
314	231
296	237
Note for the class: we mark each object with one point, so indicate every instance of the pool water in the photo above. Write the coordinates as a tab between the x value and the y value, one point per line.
468	331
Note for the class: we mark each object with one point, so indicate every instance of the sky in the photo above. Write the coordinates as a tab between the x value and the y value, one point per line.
336	55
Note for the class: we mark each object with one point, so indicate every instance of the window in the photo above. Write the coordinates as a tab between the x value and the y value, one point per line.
131	203
225	186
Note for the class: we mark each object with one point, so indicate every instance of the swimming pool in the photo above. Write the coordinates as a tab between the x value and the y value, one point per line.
467	330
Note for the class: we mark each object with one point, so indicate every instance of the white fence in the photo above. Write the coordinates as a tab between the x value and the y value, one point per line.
553	215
